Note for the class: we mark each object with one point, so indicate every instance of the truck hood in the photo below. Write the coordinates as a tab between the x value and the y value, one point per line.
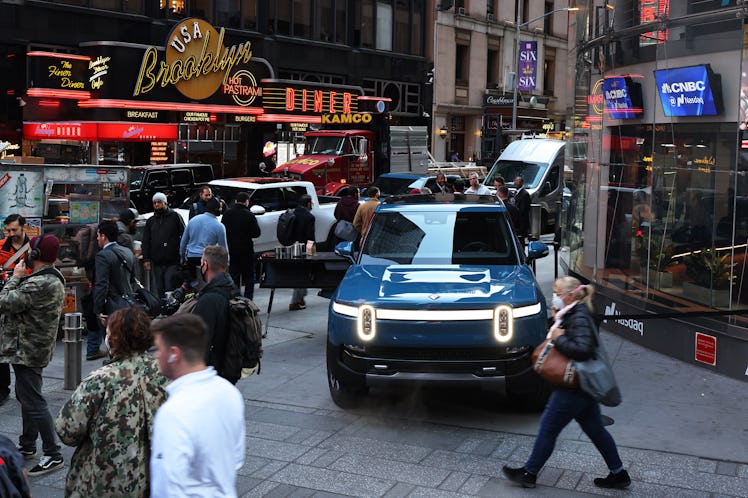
302	164
437	287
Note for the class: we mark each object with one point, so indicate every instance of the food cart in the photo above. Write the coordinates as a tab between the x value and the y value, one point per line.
59	199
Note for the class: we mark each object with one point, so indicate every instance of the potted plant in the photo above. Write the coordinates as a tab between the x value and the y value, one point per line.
711	276
661	256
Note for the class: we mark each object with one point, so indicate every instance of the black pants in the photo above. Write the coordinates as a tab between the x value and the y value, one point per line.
4	380
242	271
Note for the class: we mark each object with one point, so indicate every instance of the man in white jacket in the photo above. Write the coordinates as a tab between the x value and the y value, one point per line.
198	433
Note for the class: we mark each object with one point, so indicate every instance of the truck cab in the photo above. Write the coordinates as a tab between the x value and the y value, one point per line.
333	159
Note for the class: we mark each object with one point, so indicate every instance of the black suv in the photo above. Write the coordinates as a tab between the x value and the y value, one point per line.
177	181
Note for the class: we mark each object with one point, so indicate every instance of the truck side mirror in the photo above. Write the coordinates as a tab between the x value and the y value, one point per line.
546	189
363	147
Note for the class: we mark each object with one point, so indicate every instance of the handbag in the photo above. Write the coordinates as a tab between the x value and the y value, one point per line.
141	297
345	230
596	376
553	366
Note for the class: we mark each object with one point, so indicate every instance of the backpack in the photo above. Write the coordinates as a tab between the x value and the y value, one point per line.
285	229
243	339
83	246
13	482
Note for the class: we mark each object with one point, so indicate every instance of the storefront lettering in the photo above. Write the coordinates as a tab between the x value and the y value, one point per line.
241	118
99	68
194	116
65	73
346	118
209	58
709	160
635	325
142	114
243	87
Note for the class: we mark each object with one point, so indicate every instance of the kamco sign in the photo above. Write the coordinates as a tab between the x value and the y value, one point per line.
196	62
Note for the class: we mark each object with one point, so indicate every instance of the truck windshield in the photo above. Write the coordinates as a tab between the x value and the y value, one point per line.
325	146
531	173
438	238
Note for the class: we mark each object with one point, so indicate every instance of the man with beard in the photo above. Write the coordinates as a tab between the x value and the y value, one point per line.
163	232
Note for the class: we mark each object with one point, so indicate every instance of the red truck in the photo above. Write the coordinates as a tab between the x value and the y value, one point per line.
334	158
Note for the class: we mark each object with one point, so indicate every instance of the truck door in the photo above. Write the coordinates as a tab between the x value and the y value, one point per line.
359	165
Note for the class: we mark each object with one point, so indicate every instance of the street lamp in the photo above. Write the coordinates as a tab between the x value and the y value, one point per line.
517	48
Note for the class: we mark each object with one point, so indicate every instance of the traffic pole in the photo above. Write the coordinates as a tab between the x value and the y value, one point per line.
72	340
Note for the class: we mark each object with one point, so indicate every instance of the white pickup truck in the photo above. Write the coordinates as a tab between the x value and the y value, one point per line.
269	198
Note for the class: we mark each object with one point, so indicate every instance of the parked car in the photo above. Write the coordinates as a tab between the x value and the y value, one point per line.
177	181
440	293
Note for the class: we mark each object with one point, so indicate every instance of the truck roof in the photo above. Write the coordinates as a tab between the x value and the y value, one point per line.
258	182
534	150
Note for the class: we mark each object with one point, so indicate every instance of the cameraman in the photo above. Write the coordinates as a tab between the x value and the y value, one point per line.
30	307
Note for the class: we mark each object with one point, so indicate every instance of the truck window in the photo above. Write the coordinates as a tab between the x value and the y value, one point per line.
203	174
157	179
531	173
269	198
181	178
475	238
325	146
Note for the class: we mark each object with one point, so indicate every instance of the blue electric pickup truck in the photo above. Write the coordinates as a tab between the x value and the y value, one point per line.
441	292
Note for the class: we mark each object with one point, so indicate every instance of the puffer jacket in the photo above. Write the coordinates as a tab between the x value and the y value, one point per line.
580	338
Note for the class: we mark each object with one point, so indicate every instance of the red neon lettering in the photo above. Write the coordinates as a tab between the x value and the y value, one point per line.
317	101
290	97
332	102
303	100
346	103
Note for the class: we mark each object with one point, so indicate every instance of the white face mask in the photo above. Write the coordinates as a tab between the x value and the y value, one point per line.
106	343
556	302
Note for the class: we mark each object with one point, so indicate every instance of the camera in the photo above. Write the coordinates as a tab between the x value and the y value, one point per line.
175	299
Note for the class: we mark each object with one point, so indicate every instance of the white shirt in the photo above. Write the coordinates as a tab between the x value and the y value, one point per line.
198	438
481	190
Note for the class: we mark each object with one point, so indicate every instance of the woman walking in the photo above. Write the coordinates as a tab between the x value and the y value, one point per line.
575	337
109	417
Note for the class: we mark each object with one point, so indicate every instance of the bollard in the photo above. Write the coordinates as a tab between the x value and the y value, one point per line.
72	340
536	211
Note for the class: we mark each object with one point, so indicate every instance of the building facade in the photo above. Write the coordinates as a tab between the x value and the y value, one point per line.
378	48
656	212
476	63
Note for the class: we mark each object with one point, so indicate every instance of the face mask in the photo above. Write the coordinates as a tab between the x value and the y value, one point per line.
203	272
106	343
556	302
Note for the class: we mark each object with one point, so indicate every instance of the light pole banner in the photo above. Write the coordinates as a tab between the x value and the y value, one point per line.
528	65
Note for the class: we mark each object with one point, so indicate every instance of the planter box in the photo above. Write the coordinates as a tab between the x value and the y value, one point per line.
703	295
659	279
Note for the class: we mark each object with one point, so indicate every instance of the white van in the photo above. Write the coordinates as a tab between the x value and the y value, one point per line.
540	163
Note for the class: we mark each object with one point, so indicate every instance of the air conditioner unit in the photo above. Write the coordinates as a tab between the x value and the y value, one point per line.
461	11
489	17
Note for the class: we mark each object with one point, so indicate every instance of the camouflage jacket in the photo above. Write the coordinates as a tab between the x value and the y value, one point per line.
30	310
109	419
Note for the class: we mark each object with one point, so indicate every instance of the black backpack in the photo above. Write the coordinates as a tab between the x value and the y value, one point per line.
243	339
285	229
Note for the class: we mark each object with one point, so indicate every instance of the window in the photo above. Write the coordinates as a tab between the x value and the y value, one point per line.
249	14
203	9
549	70
416	28
302	18
490	8
325	20
365	24
341	26
181	177
492	68
280	19
462	60
227	13
384	26
402	26
548	20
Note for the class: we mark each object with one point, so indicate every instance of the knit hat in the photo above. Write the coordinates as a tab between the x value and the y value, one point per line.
49	248
159	196
126	216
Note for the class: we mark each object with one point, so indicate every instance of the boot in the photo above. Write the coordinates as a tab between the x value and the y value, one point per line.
520	476
620	480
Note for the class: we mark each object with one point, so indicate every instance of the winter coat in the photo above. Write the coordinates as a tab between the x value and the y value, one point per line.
578	340
161	238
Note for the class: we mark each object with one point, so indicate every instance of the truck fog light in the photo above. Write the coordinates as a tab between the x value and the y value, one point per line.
367	322
503	324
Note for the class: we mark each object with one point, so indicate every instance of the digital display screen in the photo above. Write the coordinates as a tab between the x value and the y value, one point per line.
689	91
622	97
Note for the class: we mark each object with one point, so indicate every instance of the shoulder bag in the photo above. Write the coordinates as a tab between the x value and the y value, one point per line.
345	230
554	366
141	297
596	376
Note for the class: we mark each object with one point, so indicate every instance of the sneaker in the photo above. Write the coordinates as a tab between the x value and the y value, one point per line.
520	476
96	356
27	453
620	480
46	464
296	306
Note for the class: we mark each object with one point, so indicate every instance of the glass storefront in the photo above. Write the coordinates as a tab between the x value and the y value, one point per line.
657	202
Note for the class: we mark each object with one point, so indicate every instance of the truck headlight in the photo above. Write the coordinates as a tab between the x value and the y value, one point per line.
503	323
367	322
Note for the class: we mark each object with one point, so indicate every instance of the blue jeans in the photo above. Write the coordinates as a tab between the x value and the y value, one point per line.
34	412
564	406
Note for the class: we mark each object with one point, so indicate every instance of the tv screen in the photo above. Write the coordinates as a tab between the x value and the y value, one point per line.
689	91
623	97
